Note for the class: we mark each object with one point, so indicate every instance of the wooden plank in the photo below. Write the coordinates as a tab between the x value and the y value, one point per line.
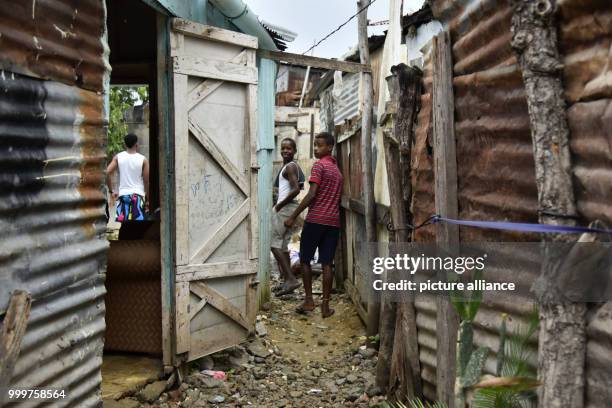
251	300
353	293
357	206
12	332
167	264
216	338
200	92
208	86
314	62
214	69
447	235
213	33
404	379
193	311
215	270
252	154
224	162
181	169
177	44
222	232
182	317
366	154
219	302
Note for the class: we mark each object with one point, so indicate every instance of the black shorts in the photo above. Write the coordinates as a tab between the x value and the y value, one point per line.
324	237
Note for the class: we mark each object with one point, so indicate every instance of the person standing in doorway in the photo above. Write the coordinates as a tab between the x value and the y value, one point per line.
322	225
290	181
132	197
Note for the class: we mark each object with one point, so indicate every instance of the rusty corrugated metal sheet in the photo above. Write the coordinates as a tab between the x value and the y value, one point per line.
423	198
52	218
494	151
494	157
55	39
52	156
585	40
585	43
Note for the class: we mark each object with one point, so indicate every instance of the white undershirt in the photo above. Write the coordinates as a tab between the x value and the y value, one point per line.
130	173
284	187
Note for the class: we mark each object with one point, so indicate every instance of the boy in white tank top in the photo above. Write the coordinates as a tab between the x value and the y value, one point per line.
288	179
132	197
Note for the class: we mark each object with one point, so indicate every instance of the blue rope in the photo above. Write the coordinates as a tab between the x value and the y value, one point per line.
521	226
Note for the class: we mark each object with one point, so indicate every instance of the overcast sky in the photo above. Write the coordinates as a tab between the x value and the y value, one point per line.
313	19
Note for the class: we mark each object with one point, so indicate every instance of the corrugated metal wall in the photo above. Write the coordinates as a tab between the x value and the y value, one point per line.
52	138
586	44
494	153
346	98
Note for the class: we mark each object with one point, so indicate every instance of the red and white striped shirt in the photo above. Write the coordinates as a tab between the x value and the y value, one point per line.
325	206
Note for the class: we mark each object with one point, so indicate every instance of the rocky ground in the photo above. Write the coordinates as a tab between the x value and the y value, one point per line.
294	361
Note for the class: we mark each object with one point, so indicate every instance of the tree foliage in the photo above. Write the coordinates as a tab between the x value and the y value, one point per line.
122	98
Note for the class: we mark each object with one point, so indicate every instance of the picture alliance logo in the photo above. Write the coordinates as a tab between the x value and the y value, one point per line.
412	264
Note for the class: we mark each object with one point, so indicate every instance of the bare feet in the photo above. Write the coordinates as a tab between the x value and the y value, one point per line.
307	306
326	311
288	288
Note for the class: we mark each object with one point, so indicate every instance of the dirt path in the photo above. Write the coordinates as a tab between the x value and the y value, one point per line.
294	361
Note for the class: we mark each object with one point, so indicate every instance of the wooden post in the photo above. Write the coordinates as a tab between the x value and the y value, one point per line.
366	148
404	89
398	365
11	334
447	235
562	341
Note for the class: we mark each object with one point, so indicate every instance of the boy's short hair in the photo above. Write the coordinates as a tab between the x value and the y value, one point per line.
329	139
130	140
290	140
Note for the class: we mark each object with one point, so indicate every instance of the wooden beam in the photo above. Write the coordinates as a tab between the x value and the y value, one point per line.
398	368
219	302
314	62
211	33
447	235
221	70
562	340
366	154
11	334
215	270
353	293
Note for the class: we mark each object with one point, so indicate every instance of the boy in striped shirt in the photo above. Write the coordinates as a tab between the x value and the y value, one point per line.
322	225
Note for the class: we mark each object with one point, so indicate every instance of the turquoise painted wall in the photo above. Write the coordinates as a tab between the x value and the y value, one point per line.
265	154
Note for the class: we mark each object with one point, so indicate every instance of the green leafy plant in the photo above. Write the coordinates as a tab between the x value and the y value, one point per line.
513	384
469	361
121	98
415	403
515	381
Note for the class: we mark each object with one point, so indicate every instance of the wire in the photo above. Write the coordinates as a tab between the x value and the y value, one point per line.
231	19
340	26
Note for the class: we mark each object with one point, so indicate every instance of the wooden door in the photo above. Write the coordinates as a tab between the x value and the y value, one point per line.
216	242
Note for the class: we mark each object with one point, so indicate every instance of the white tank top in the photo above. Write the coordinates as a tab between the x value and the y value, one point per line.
130	173
283	185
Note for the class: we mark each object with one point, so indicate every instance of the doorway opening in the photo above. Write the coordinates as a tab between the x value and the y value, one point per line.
133	344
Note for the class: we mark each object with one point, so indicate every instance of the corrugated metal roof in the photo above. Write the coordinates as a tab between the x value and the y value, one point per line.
280	35
55	39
